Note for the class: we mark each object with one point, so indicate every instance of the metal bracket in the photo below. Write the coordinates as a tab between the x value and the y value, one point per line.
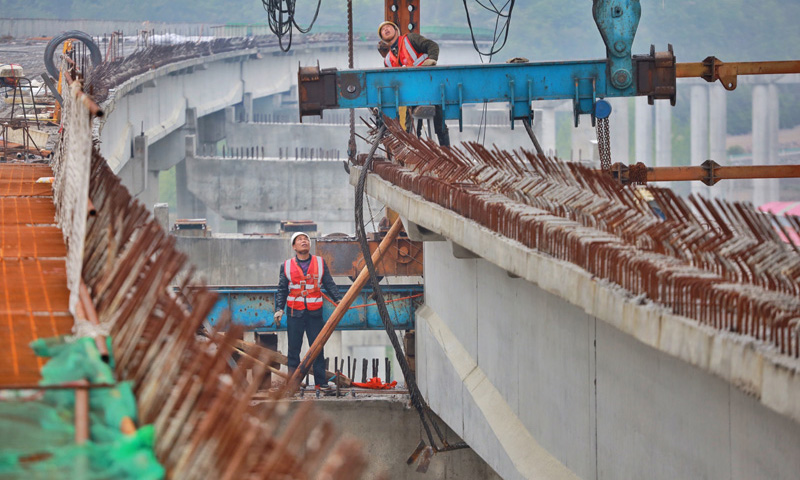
655	75
617	21
710	166
585	98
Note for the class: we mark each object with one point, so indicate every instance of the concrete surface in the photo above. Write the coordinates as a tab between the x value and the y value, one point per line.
231	259
271	190
390	430
608	387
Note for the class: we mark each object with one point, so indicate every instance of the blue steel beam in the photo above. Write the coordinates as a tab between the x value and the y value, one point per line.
450	87
254	307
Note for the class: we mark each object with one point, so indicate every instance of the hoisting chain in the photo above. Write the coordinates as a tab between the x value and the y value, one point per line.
351	145
604	144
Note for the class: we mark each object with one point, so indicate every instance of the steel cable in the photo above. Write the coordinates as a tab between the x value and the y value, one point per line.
280	16
503	31
416	397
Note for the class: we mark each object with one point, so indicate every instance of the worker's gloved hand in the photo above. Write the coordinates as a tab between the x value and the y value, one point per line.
429	62
278	315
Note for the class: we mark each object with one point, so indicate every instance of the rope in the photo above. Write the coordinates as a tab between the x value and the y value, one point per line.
416	397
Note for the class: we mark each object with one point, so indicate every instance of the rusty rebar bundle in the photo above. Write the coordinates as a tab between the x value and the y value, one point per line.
187	386
723	264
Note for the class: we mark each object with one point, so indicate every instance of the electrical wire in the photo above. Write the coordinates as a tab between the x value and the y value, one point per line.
280	16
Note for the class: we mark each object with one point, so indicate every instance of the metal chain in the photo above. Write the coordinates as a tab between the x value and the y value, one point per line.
604	144
351	145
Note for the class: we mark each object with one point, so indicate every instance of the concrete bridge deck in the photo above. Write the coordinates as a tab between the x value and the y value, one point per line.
541	362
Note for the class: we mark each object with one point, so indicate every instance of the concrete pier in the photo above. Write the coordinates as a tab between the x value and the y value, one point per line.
644	131
718	132
761	135
699	132
618	125
663	137
547	120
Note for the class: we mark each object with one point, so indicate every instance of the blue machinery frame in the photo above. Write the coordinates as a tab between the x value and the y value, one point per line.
254	307
586	81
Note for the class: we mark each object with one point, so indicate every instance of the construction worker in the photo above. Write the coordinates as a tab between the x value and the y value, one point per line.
413	50
299	293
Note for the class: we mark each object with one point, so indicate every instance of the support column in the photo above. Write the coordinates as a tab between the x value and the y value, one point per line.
761	124
584	144
774	184
247	106
188	206
663	137
230	115
718	133
618	124
644	132
547	120
699	132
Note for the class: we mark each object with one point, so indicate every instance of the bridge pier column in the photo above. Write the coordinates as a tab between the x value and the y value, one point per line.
644	131
247	105
765	133
699	132
584	143
188	206
548	125
664	137
718	129
230	115
772	139
136	175
618	129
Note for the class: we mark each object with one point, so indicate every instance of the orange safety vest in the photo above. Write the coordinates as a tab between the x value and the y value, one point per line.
304	290
406	55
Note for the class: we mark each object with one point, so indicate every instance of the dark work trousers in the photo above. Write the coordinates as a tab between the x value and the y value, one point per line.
440	127
311	323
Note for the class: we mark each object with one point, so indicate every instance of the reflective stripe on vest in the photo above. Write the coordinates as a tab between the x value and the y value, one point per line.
304	291
406	55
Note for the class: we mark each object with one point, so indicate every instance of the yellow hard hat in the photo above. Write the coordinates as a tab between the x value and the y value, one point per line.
387	23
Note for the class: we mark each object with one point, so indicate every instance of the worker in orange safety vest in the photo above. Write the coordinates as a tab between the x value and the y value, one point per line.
299	293
413	50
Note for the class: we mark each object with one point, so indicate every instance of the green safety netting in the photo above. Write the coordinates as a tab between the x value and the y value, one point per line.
37	432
